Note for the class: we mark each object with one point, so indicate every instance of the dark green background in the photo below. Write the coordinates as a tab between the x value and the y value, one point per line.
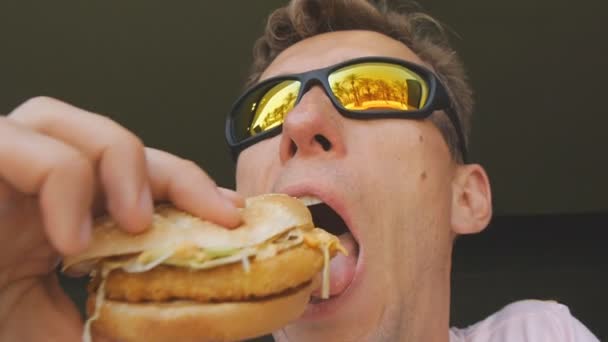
169	71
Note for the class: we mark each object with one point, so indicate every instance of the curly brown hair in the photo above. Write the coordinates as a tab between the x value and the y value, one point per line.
423	34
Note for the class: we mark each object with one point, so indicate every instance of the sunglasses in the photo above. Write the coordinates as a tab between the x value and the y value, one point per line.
362	88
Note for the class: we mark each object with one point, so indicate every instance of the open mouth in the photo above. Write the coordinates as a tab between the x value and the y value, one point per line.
323	216
342	267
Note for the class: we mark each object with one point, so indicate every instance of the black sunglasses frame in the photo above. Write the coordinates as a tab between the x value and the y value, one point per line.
437	99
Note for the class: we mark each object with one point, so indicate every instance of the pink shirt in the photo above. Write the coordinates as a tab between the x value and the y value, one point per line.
527	321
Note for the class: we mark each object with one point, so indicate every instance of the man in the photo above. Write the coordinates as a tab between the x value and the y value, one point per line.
400	182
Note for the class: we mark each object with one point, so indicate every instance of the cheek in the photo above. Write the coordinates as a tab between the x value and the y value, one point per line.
256	167
392	152
406	153
408	166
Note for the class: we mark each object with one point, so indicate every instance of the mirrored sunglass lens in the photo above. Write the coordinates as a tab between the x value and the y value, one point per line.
377	86
266	108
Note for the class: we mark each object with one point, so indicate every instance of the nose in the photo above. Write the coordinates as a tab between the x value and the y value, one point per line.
312	128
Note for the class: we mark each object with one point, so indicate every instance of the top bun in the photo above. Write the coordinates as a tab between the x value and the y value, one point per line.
264	217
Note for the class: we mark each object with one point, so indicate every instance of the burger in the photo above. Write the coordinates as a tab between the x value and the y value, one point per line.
186	279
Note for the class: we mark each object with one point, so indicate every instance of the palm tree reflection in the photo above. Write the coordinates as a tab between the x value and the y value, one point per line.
360	93
271	118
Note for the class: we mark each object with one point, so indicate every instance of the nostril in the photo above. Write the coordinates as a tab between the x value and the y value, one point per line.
326	144
293	148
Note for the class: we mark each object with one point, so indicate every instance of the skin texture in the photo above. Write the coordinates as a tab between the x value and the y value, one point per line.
405	198
403	195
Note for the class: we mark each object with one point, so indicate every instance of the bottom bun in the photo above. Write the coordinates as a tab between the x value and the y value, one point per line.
193	321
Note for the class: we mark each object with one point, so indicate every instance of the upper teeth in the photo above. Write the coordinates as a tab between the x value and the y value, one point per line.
310	200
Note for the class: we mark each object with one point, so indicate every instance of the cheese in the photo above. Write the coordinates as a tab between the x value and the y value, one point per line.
325	284
317	237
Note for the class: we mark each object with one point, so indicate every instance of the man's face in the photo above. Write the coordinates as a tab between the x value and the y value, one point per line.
388	179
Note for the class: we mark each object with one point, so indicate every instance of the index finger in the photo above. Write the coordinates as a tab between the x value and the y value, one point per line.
189	188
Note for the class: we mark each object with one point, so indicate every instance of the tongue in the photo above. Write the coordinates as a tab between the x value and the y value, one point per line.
342	268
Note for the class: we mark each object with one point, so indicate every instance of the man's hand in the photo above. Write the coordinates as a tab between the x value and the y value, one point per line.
59	165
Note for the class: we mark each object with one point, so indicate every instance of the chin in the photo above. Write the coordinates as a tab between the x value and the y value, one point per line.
356	315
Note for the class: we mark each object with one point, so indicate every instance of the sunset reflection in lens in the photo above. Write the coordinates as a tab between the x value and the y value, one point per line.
271	109
377	86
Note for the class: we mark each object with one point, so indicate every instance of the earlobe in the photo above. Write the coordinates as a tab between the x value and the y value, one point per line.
471	200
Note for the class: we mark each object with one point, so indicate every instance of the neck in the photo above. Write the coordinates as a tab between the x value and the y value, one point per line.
428	316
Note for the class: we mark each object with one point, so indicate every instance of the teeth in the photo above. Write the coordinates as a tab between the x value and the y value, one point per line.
310	200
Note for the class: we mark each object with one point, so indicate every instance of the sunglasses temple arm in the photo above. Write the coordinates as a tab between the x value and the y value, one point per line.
461	141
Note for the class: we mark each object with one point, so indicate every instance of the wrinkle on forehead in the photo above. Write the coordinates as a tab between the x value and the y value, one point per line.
334	47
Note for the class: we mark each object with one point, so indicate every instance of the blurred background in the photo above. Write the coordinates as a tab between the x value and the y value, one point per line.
169	72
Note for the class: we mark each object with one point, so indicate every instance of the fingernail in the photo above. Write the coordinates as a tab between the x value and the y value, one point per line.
85	230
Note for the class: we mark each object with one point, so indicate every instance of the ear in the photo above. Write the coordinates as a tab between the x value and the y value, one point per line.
471	199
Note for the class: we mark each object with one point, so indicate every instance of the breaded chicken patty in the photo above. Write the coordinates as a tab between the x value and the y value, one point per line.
226	283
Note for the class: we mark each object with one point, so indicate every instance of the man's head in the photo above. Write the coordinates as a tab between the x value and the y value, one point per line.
423	34
397	183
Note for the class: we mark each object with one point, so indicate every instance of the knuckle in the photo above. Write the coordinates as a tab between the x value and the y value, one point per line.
41	101
33	105
126	141
119	135
134	141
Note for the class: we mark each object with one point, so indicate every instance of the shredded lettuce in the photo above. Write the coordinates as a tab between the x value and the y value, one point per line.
215	253
101	295
148	260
